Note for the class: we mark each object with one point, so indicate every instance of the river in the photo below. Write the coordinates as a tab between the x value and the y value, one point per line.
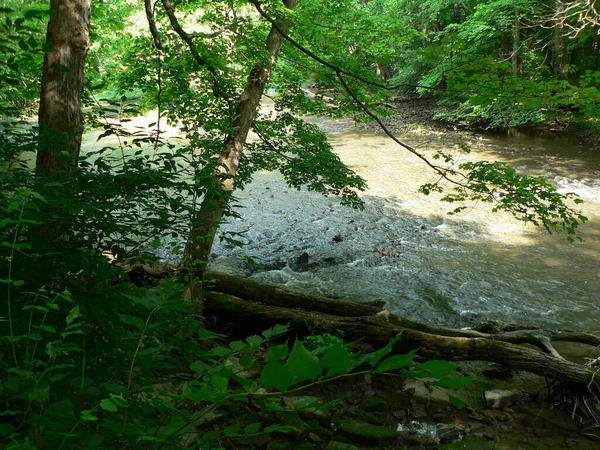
403	247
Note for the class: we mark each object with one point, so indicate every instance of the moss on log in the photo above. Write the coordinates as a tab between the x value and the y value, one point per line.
252	317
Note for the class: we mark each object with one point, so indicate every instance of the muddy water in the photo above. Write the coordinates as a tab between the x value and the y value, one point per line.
404	249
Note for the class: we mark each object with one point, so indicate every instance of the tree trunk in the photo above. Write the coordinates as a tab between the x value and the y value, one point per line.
60	116
216	200
560	57
517	63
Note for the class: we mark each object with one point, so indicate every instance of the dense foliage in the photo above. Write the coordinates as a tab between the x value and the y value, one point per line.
90	358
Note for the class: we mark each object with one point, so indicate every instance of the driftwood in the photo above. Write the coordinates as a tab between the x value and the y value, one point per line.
289	298
253	307
253	317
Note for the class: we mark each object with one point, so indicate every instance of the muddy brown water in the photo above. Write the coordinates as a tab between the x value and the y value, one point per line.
405	249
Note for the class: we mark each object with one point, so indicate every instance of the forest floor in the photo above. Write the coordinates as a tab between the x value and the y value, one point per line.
393	412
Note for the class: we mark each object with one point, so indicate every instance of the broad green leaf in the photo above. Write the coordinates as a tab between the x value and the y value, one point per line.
201	394
118	400
254	341
86	414
454	383
396	362
219	382
73	314
199	366
237	346
220	351
376	356
132	321
108	405
434	368
275	331
458	402
274	374
210	436
302	364
252	428
277	352
6	429
232	430
337	359
115	388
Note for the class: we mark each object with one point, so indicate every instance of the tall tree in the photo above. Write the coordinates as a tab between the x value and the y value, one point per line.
60	116
213	207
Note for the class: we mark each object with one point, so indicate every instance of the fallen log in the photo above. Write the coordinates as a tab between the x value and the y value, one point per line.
288	298
252	318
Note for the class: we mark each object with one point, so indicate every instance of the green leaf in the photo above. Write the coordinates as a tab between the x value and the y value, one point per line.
108	405
302	364
254	341
210	436
280	428
219	382
119	400
274	374
201	394
454	383
277	352
73	314
6	429
132	321
199	366
337	359
232	430
376	356
433	368
86	414
396	362
458	402
237	346
275	331
115	388
252	428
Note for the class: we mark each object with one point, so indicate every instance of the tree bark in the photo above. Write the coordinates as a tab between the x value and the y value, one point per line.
289	298
517	63
252	318
60	116
560	57
216	199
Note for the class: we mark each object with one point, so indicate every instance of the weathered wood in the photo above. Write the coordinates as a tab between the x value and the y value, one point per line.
378	331
288	298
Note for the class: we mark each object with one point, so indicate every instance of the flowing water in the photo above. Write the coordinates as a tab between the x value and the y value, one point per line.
405	249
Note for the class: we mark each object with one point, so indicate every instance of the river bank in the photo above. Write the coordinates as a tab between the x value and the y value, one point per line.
414	114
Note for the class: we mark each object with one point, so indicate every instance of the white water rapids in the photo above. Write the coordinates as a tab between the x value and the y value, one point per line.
404	248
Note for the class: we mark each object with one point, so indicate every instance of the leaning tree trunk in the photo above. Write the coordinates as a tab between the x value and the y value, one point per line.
60	116
216	200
